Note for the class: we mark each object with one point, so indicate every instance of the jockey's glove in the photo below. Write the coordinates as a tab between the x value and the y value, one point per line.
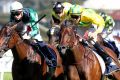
104	35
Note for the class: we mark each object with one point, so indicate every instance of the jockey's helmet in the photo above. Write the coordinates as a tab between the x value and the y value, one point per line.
75	10
16	6
58	7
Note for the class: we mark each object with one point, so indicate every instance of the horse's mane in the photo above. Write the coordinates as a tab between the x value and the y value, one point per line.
9	24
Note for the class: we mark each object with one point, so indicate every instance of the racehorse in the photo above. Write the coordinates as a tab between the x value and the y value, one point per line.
115	74
27	63
80	60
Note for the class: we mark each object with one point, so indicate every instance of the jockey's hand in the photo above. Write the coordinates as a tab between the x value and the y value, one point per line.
92	36
104	35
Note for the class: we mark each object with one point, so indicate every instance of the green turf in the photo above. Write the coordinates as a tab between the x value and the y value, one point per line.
7	76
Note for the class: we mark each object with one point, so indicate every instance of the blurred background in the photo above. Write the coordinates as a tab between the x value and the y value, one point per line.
111	7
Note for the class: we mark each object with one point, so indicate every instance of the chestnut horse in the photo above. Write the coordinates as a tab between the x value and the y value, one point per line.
80	61
27	63
114	74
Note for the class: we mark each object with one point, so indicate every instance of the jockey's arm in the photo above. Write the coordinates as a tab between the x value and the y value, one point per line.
110	30
99	21
111	26
34	29
94	18
99	29
99	25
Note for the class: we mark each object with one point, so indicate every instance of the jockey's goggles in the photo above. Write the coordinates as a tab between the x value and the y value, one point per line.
15	13
74	16
58	11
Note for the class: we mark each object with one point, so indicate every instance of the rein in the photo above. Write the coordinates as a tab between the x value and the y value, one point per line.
10	31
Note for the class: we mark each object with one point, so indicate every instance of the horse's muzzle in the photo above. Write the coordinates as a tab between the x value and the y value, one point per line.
62	48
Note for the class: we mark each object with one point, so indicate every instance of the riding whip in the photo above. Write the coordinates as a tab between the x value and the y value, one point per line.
39	20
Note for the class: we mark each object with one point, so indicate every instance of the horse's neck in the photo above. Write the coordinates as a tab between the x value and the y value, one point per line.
78	51
21	47
78	48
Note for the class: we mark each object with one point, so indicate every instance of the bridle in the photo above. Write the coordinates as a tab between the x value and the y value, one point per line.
7	34
70	40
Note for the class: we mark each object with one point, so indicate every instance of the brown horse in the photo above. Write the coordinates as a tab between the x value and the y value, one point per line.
80	61
115	74
27	64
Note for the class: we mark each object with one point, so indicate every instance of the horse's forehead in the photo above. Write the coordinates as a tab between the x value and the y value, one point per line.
70	30
65	31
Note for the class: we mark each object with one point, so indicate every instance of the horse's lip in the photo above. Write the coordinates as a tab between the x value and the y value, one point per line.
63	47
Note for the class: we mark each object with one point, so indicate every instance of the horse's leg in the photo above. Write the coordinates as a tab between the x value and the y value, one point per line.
16	71
59	72
44	69
72	73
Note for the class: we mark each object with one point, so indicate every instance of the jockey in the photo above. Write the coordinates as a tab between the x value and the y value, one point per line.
59	14
88	20
29	16
109	26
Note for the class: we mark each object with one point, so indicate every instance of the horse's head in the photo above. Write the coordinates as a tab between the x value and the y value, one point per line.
68	36
5	37
53	35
